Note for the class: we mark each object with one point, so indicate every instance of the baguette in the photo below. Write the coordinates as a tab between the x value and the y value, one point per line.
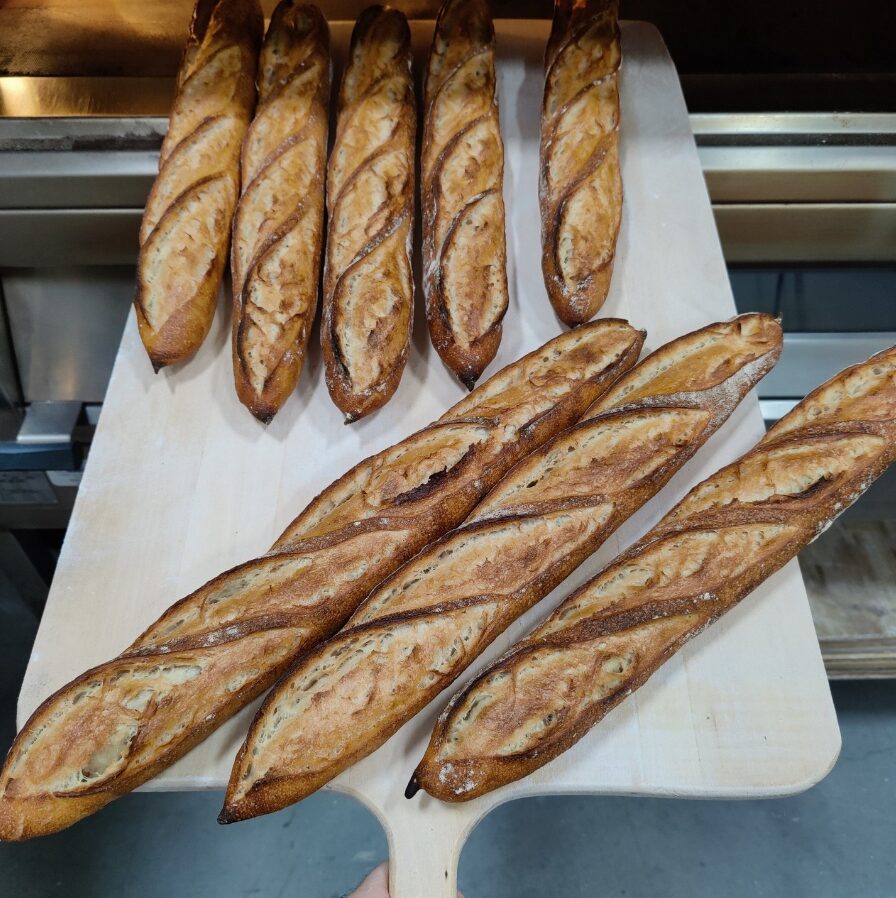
424	625
185	231
462	170
278	225
368	284
210	654
722	540
580	187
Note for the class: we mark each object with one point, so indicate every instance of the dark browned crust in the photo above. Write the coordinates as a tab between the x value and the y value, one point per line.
186	329
215	27
619	485
465	25
575	304
353	401
291	24
50	813
712	509
427	503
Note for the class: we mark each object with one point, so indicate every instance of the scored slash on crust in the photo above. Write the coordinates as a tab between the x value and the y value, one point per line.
420	628
186	228
462	169
213	652
278	225
725	537
368	284
580	184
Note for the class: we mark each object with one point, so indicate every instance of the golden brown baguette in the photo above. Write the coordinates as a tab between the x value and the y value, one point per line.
368	283
185	231
278	225
207	656
462	170
722	540
580	186
420	628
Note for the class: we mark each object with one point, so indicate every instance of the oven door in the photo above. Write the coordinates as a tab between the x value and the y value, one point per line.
806	210
72	191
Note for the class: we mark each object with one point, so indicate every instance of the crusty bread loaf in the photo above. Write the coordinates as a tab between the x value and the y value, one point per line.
462	174
420	628
185	232
722	540
207	656
580	187
278	225
368	283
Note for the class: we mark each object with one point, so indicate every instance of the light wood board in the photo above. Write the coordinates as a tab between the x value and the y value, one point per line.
182	483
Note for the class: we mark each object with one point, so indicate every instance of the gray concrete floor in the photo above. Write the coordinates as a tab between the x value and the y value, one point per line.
838	839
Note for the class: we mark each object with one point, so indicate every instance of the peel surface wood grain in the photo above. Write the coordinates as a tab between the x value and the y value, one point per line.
462	175
731	532
580	185
770	731
368	280
424	625
210	654
278	225
185	233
